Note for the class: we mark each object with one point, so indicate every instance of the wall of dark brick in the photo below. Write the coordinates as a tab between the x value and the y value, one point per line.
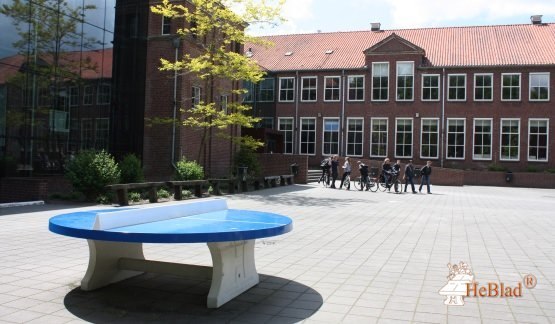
279	164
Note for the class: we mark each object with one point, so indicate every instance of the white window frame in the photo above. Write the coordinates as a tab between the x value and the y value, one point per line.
519	86
166	21
195	96
397	75
386	135
249	95
88	95
309	88
386	76
437	138
338	89
474	157
87	144
292	131
73	96
100	93
411	137
483	87
347	136
501	139
531	86
530	120
223	103
438	76
456	144
323	135
349	77
287	89
301	137
449	86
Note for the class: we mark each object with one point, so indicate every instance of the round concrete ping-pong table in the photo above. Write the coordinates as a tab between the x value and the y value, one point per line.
115	238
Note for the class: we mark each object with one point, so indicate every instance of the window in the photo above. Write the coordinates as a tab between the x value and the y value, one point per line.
102	133
539	86
403	138
430	87
195	96
266	90
354	136
285	125
166	25
308	88
355	88
429	142
87	133
330	141
265	122
380	81
88	93
405	81
510	86
457	87
286	89
223	103
103	95
308	136
538	139
59	121
248	96
378	137
483	87
332	88
510	139
455	138
73	96
482	139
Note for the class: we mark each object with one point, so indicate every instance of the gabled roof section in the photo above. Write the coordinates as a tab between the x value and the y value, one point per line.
394	44
504	45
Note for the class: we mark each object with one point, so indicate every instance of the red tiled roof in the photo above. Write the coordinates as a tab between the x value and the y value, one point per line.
444	47
101	60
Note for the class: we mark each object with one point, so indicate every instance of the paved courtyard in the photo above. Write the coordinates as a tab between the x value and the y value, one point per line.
353	257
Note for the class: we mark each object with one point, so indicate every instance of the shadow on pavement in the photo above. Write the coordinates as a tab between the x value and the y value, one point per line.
43	208
165	298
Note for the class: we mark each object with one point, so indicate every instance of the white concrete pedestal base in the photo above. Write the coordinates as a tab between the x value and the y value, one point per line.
233	271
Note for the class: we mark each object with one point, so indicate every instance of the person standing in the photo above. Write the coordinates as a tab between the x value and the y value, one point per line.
346	172
408	176
386	171
325	165
426	172
334	172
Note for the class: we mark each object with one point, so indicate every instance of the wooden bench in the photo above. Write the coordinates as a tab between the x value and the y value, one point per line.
178	187
122	190
289	178
271	181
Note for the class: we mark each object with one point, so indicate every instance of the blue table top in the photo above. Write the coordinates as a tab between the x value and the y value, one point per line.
219	226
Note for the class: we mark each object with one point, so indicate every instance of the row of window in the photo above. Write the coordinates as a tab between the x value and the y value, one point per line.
482	130
510	86
70	96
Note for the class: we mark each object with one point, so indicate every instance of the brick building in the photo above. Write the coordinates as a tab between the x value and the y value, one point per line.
464	97
143	93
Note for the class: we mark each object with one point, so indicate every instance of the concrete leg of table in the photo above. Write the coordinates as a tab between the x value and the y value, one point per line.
233	272
103	263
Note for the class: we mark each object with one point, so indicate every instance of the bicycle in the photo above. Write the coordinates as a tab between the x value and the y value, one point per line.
347	182
394	183
368	183
325	180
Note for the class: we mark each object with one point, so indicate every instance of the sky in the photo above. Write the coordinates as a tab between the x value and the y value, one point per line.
311	16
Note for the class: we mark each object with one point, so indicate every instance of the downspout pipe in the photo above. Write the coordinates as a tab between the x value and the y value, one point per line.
296	135
175	42
342	128
442	142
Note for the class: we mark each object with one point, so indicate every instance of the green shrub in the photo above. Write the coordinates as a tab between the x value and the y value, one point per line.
496	167
131	169
186	194
246	157
163	193
532	168
103	199
91	171
188	170
135	196
550	170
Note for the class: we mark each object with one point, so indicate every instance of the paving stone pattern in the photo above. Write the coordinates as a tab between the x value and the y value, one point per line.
352	257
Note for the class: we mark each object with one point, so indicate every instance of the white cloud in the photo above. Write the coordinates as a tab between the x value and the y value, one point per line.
296	13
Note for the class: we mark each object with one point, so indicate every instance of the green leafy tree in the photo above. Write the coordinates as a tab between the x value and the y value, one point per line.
217	25
91	171
131	169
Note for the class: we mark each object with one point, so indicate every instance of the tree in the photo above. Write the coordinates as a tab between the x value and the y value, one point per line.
218	25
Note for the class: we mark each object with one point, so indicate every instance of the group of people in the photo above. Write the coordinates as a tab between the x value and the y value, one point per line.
389	172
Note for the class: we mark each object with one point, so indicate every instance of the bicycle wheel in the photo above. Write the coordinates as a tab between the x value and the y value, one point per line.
323	180
326	181
372	184
347	183
381	185
358	184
